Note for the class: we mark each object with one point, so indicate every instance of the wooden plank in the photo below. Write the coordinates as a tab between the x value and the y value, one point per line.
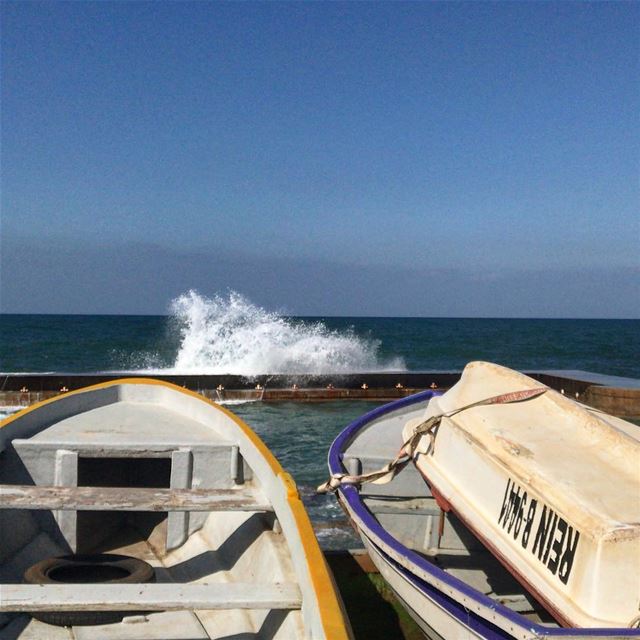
128	499
148	597
142	449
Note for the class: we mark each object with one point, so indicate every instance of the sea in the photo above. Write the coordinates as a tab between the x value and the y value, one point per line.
230	334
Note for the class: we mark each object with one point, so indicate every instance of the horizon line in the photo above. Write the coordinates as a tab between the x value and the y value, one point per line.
327	316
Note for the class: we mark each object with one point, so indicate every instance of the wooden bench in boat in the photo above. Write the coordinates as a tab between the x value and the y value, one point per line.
212	464
128	499
148	597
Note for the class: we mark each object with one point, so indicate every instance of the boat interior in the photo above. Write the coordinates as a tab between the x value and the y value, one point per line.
407	510
139	476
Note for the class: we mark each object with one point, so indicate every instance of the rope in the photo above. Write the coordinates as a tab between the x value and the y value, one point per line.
427	427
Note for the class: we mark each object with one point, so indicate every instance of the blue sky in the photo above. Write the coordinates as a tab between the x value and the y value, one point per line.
475	159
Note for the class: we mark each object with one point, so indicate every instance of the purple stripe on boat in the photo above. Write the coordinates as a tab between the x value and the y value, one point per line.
371	526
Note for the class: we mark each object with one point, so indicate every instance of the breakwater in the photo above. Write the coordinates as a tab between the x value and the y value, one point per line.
616	395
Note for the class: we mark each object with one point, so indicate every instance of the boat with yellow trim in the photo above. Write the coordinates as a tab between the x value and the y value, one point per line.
138	509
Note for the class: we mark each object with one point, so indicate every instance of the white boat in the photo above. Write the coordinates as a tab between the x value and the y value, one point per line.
452	560
551	487
138	509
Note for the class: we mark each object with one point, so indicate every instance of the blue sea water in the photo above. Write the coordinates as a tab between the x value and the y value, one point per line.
233	336
40	343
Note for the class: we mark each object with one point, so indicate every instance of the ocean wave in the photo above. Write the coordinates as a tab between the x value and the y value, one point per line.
231	335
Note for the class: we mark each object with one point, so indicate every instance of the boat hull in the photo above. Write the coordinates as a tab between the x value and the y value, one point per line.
442	604
553	515
151	471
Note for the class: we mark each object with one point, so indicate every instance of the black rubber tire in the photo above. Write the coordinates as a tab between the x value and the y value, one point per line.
133	570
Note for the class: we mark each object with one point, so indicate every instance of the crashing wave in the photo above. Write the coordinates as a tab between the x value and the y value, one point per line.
230	335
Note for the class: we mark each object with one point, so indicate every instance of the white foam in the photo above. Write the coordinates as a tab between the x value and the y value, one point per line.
230	335
8	410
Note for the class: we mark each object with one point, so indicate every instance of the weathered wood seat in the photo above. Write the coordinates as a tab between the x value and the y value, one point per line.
56	459
148	597
128	499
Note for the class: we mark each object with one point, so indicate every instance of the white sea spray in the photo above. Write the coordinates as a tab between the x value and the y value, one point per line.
230	335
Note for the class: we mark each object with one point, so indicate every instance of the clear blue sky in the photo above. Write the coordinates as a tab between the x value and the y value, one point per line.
325	158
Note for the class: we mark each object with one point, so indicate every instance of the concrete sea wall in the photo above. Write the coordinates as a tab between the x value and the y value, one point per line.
615	395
